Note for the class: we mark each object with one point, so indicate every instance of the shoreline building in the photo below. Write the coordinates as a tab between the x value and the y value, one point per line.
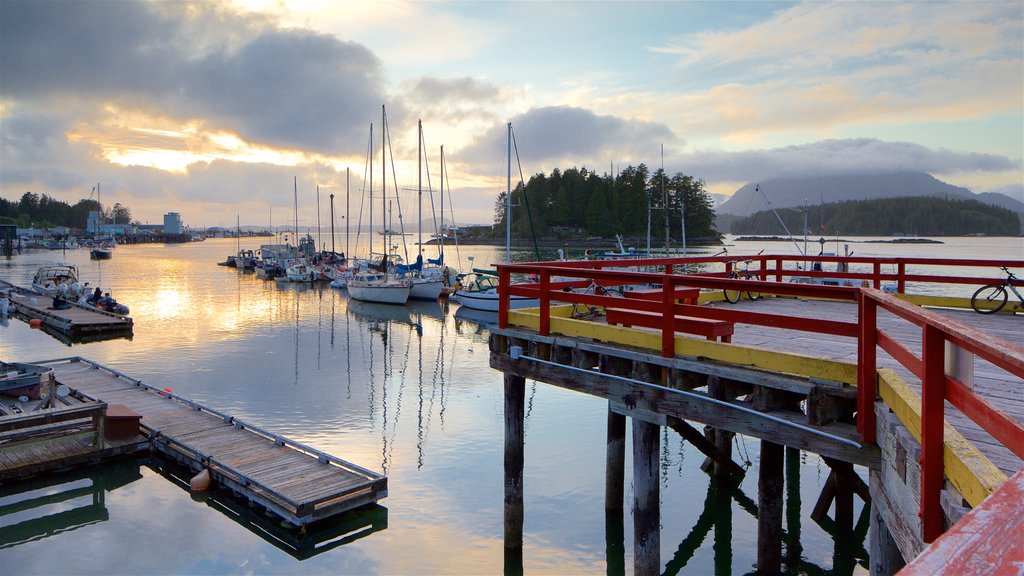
172	223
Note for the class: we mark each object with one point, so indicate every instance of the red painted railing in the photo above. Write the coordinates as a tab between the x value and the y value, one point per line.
555	278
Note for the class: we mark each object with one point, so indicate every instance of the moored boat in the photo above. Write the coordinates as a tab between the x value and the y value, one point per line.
379	287
20	379
53	279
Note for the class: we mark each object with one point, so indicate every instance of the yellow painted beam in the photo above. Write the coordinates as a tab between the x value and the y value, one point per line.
772	360
966	467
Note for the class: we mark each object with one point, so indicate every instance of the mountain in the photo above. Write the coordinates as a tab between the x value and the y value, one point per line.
812	190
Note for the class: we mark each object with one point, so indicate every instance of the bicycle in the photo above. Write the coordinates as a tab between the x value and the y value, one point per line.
992	297
733	296
592	311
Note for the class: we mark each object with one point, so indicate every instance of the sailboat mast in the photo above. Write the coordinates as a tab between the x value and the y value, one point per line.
508	201
332	222
384	178
295	185
370	153
440	237
419	193
347	253
319	237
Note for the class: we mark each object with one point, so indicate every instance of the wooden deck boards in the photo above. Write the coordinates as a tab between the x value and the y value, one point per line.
286	474
1004	390
74	321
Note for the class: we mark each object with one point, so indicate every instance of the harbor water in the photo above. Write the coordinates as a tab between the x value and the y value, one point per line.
405	391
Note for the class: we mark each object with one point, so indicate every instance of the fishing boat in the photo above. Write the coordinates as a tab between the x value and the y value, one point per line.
479	291
20	379
53	279
99	253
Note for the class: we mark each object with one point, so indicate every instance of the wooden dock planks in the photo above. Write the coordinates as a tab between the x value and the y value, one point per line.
74	322
298	485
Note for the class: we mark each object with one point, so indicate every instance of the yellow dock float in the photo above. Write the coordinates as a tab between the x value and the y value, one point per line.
293	481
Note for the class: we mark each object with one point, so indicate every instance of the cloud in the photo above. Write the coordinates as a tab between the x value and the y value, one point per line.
292	88
564	136
821	67
838	157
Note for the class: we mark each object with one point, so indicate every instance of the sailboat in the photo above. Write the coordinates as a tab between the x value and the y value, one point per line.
480	292
380	285
424	287
101	247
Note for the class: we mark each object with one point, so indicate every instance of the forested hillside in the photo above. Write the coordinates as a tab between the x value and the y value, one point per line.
919	216
46	212
578	202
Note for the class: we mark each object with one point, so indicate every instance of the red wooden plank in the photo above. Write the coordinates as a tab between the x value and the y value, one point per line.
988	540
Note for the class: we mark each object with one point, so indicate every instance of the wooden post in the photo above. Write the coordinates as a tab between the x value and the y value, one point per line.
867	374
515	394
615	465
615	541
844	496
545	303
793	521
769	508
646	489
885	555
933	395
722	546
504	282
723	438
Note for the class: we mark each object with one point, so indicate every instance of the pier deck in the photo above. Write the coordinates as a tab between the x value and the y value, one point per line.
990	382
74	322
296	482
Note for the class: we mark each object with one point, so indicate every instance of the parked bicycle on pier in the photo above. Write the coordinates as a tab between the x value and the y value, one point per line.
991	298
733	296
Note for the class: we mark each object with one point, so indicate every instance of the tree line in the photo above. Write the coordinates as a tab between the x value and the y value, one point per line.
578	202
916	215
43	211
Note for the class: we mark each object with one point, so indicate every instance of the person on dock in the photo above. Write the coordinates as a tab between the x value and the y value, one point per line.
59	303
97	295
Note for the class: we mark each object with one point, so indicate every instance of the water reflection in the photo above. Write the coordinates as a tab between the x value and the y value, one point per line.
51	505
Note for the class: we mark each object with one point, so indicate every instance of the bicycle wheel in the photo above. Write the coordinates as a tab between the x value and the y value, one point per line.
733	296
753	295
991	299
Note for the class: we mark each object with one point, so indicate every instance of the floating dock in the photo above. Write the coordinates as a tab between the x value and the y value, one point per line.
75	323
298	483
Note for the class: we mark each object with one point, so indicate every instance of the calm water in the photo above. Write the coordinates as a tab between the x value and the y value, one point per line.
405	391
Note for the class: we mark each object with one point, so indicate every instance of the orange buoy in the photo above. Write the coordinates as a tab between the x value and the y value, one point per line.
35	323
201	481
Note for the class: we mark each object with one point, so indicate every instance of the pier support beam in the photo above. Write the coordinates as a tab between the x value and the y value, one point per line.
769	508
886	558
515	395
646	491
793	520
615	464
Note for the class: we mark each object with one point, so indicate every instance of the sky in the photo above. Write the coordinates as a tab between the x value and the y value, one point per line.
225	110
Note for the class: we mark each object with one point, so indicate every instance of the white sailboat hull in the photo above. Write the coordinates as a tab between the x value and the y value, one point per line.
488	301
387	294
426	289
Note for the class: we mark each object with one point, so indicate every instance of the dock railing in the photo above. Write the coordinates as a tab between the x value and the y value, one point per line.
568	282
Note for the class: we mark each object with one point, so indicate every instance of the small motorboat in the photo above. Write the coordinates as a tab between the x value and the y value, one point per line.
19	379
100	254
53	279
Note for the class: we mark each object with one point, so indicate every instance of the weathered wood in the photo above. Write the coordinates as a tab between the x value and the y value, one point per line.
719	390
515	395
884	553
690	409
989	540
769	508
615	463
700	442
646	490
794	520
824	502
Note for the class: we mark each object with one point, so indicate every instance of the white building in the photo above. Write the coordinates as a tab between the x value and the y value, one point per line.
172	223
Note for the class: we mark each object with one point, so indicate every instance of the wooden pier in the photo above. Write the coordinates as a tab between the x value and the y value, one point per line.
296	482
929	401
75	323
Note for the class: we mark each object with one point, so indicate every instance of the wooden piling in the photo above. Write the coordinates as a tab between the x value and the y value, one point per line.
793	519
722	438
615	464
885	554
646	490
769	508
515	395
